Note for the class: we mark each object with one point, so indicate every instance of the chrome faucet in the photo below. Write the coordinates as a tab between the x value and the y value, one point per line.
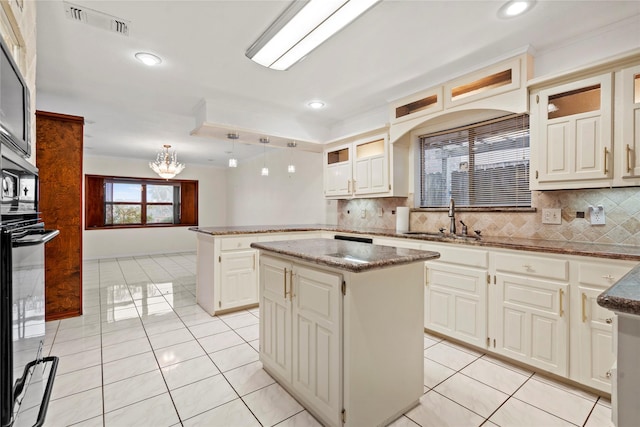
452	215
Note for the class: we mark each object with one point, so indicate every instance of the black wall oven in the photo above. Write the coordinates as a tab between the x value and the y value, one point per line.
26	375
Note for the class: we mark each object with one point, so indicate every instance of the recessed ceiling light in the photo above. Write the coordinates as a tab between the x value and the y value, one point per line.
316	104
148	58
515	8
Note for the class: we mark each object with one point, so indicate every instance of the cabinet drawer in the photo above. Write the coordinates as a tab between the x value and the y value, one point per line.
533	266
231	243
601	275
454	254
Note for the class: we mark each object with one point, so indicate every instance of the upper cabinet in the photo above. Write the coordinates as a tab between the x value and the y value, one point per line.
501	87
572	130
584	127
337	171
371	166
627	129
366	167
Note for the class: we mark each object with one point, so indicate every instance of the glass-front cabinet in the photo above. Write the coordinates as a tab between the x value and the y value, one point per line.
573	128
365	167
371	168
337	168
628	128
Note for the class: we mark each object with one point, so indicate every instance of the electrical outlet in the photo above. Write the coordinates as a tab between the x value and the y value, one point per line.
379	211
597	215
363	213
552	216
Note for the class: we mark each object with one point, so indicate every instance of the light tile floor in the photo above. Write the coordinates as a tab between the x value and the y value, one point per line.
145	354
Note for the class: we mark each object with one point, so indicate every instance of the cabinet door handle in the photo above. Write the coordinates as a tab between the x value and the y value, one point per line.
628	158
291	285
561	303
349	186
608	320
608	374
606	155
584	307
284	282
608	277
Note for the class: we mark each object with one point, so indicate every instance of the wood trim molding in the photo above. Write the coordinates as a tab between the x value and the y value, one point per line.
60	117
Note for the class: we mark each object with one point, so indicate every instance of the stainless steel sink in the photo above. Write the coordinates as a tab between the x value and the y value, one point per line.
443	236
425	233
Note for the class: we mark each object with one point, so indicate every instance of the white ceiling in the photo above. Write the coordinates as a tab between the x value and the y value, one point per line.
396	48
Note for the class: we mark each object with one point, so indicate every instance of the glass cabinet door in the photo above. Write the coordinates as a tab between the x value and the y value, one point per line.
630	162
575	130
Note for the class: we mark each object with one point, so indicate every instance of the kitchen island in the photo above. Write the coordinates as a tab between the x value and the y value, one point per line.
623	298
341	326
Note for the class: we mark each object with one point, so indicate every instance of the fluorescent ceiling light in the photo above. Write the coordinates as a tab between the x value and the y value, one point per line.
302	27
514	8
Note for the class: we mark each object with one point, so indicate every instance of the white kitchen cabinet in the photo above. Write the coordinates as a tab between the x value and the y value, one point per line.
301	335
275	315
371	167
317	338
339	341
366	167
227	269
238	270
571	130
456	302
529	310
498	87
337	171
627	126
592	351
456	293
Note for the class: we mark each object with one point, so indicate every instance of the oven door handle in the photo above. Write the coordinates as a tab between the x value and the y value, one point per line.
35	239
46	397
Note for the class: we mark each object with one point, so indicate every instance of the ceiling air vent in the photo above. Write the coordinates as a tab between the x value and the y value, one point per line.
96	19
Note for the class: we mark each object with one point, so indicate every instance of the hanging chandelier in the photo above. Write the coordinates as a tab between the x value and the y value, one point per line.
166	164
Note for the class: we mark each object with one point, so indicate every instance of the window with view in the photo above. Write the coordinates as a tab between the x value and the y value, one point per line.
141	203
131	202
481	165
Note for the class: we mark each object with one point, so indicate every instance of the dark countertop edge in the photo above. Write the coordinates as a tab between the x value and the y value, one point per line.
533	245
624	295
345	265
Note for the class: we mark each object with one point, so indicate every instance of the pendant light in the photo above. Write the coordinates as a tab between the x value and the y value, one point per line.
291	168
265	169
233	162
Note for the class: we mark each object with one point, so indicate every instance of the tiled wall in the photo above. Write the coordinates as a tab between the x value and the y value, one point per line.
621	206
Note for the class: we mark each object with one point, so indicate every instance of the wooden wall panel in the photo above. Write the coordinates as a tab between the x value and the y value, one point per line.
59	140
189	202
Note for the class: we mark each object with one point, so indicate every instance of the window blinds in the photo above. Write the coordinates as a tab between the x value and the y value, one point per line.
485	164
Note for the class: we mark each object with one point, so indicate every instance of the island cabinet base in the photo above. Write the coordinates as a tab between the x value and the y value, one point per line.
348	346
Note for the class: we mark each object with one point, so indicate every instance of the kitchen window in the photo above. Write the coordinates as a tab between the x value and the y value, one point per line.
481	165
119	202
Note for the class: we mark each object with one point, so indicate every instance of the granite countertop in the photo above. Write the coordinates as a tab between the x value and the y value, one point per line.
610	251
624	295
351	256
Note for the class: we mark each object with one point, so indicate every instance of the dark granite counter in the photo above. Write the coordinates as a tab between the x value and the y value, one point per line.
624	295
611	251
351	256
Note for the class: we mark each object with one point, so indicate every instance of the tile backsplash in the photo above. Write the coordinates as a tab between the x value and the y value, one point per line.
621	207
